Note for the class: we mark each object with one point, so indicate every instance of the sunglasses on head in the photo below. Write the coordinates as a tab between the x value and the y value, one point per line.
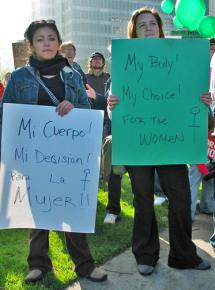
48	21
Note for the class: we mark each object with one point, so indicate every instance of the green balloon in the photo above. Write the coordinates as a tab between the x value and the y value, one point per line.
177	23
190	12
207	27
167	6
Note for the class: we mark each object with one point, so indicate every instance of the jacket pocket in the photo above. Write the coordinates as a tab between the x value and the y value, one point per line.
27	92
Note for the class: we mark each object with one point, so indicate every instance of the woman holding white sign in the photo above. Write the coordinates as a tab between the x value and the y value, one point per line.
49	80
146	23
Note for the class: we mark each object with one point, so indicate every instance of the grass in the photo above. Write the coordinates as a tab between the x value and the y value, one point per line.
108	241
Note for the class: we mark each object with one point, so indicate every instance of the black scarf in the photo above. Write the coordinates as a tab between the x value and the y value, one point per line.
49	67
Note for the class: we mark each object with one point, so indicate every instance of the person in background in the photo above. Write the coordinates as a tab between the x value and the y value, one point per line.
211	155
212	238
196	176
146	23
97	79
113	208
47	65
197	172
6	78
212	47
2	88
212	55
100	81
68	50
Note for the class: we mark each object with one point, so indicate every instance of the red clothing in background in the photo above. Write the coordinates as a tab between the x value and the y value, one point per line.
211	145
211	153
1	90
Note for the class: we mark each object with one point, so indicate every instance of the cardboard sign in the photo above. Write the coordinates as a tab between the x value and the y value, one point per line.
49	168
20	53
160	118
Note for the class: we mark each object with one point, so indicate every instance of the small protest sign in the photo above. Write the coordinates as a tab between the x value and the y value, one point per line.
20	53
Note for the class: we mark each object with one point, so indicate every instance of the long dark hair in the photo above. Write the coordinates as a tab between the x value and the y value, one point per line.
35	25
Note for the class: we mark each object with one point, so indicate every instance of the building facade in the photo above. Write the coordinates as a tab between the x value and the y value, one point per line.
212	7
92	24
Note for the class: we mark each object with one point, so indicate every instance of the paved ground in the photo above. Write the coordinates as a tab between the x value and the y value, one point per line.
122	273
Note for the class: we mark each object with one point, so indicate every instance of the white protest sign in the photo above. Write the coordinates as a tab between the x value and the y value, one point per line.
49	168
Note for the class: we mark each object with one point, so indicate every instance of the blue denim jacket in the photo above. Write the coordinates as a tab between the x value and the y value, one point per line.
23	88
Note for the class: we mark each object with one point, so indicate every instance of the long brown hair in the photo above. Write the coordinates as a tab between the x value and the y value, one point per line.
133	20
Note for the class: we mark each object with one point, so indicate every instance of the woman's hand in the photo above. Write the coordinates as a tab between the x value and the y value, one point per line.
112	101
64	108
91	93
206	99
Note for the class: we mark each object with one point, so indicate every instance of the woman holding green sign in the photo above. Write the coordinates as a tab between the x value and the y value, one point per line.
146	23
49	80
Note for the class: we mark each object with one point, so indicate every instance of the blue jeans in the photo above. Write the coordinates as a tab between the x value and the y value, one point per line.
206	202
212	238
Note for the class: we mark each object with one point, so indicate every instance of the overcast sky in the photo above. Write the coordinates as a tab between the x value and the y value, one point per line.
15	17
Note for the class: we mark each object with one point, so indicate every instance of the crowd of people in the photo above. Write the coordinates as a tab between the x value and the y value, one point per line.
177	183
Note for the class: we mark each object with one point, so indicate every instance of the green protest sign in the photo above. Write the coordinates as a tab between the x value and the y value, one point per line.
160	118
